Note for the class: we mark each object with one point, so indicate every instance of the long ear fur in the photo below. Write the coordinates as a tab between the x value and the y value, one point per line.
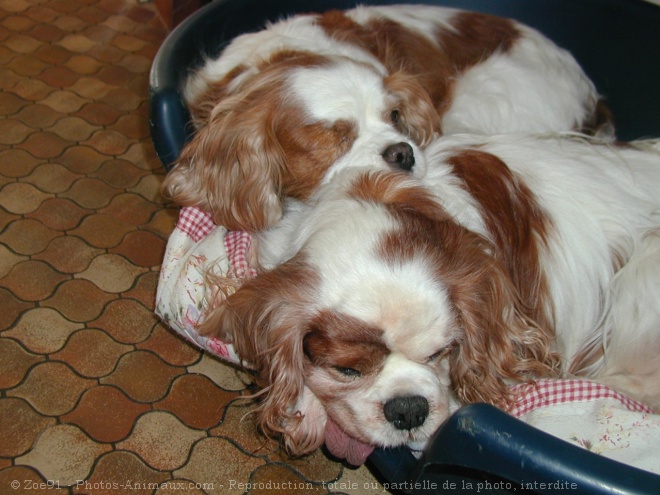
501	343
265	320
233	164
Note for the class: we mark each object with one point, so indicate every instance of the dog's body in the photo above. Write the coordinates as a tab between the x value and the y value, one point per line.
393	299
283	109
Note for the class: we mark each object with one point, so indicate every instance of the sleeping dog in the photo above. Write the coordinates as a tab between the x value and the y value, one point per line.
284	109
390	300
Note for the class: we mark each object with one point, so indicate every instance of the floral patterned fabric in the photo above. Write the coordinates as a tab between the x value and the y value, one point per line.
594	417
197	248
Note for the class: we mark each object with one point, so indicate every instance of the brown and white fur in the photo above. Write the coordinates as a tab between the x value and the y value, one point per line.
283	109
394	299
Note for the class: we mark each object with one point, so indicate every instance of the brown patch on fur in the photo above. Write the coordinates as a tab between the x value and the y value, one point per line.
338	340
513	217
435	66
399	49
477	37
395	188
504	338
235	165
201	107
311	149
266	321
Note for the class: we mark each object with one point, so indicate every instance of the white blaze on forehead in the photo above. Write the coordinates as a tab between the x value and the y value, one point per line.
415	312
342	90
343	248
404	299
412	310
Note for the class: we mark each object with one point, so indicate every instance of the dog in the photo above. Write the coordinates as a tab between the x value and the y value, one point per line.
283	109
390	300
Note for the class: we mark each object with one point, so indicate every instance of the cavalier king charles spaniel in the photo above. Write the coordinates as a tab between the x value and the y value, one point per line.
283	109
390	299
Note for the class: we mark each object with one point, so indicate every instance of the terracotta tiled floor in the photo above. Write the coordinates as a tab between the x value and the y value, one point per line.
96	396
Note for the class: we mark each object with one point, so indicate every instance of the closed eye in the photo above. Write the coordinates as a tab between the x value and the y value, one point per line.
441	354
348	372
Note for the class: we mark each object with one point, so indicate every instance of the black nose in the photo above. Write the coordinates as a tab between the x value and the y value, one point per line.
406	413
400	155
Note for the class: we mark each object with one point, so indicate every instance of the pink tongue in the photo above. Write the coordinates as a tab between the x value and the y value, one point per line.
344	447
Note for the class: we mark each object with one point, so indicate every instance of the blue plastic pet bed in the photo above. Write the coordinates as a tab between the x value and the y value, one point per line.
479	449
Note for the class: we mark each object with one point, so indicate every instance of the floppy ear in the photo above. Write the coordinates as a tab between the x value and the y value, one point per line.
501	343
232	165
266	319
418	117
501	340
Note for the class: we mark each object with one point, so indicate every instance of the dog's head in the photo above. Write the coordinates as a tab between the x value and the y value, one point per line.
281	130
389	313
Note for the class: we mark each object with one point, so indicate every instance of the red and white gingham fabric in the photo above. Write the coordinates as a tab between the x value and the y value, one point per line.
238	244
552	392
195	223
